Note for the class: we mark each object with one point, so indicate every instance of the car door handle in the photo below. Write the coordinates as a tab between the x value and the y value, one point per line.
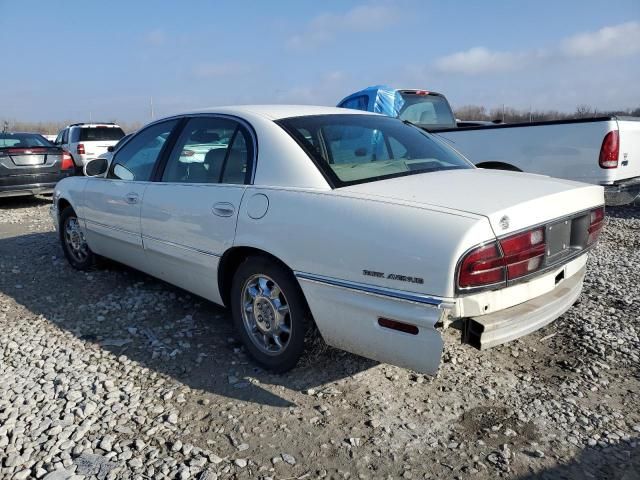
223	209
132	198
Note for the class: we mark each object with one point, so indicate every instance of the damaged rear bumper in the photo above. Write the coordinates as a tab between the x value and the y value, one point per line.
486	331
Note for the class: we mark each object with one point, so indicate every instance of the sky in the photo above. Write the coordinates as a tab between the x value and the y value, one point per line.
80	60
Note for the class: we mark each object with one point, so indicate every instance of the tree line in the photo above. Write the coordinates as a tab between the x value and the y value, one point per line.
466	112
514	115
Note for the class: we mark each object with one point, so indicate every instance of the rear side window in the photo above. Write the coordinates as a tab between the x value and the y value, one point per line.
357	103
210	150
97	134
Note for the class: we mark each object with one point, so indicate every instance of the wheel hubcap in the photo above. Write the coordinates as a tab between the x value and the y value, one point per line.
266	315
74	238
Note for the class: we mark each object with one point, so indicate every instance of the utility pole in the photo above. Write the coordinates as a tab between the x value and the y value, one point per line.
503	113
151	105
90	117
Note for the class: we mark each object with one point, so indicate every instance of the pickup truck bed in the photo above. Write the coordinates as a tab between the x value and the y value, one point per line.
569	149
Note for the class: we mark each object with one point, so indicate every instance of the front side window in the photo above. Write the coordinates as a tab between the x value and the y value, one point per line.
136	159
353	149
210	150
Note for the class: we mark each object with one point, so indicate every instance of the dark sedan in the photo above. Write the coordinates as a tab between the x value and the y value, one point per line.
30	164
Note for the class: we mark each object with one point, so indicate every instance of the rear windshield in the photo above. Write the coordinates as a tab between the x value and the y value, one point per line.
96	134
427	111
23	140
351	149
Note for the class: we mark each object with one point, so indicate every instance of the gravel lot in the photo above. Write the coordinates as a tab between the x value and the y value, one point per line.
113	374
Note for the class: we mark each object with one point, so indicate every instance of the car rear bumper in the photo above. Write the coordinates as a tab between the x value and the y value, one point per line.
30	184
623	192
486	331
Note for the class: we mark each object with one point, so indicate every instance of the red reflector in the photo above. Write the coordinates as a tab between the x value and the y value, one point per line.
610	150
80	149
422	92
482	266
596	222
396	325
67	161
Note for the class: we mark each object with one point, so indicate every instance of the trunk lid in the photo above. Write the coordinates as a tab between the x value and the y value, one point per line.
524	199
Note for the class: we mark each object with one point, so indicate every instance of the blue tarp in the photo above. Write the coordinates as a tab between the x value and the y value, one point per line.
383	99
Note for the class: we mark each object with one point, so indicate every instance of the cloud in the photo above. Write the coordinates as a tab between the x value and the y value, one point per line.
480	60
611	41
326	27
618	40
223	69
155	37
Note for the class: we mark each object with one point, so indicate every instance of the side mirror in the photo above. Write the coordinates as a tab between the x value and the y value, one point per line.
95	167
110	148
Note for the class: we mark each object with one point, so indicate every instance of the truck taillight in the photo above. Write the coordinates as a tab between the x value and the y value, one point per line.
596	222
80	149
510	258
610	150
67	161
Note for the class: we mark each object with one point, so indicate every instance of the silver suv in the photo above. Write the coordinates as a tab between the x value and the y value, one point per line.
86	141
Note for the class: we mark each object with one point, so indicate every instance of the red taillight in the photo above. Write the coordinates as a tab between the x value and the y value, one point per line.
610	150
67	161
596	222
26	151
482	266
514	257
80	149
188	153
523	252
422	92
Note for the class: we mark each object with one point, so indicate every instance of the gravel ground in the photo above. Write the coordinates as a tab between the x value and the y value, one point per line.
113	374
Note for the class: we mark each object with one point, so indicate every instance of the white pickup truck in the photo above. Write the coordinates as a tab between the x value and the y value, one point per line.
602	151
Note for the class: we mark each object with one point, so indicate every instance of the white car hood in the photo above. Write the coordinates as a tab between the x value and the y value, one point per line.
525	199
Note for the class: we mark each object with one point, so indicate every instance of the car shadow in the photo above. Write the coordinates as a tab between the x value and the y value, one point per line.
14	203
155	324
624	211
619	461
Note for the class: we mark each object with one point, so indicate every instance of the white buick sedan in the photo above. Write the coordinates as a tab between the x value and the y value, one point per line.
373	230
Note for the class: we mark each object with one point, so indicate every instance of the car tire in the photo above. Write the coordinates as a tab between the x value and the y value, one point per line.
269	313
74	245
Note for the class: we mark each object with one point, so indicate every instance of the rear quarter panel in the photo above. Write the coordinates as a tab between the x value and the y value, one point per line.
629	160
338	236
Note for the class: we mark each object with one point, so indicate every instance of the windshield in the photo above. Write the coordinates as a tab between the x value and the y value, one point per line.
23	140
98	134
352	149
427	110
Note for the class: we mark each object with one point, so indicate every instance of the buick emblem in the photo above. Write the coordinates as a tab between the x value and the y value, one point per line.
504	222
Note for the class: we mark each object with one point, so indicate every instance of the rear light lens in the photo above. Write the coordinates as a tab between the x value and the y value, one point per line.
596	222
523	252
80	149
610	150
482	266
67	161
511	258
515	256
188	153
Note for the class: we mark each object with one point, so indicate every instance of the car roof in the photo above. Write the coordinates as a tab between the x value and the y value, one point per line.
276	112
90	125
